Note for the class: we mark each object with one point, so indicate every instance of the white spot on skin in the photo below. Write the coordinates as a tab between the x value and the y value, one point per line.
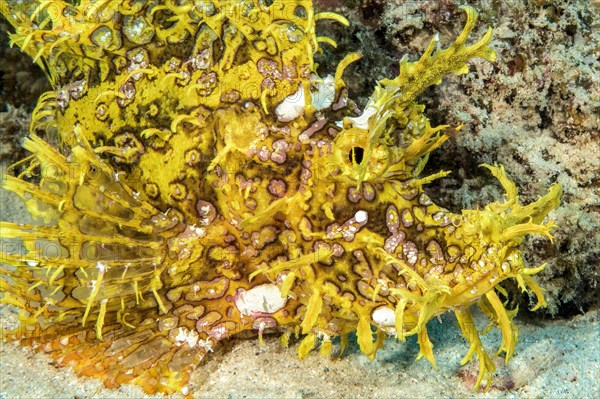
361	216
186	336
424	199
205	344
392	242
362	121
410	251
219	332
384	316
192	231
292	106
259	300
102	267
325	94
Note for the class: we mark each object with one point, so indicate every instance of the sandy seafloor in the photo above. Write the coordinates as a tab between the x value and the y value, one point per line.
553	359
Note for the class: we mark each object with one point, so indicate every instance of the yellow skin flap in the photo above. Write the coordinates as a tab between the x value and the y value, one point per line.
208	183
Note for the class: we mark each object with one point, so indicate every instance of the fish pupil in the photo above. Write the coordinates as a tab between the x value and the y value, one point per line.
356	155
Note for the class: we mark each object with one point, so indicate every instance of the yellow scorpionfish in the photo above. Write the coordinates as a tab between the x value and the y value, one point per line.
206	182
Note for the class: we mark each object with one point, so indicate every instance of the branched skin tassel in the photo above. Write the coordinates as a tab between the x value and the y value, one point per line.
208	183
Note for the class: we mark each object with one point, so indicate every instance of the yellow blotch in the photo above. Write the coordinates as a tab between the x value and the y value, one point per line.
364	336
307	344
325	349
426	347
315	305
288	281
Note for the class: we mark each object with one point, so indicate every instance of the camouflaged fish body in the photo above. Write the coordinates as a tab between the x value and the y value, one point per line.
208	183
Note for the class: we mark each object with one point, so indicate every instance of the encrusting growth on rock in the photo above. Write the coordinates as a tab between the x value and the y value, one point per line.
209	182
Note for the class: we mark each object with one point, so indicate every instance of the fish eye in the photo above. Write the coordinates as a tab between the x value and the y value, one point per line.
356	155
352	154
